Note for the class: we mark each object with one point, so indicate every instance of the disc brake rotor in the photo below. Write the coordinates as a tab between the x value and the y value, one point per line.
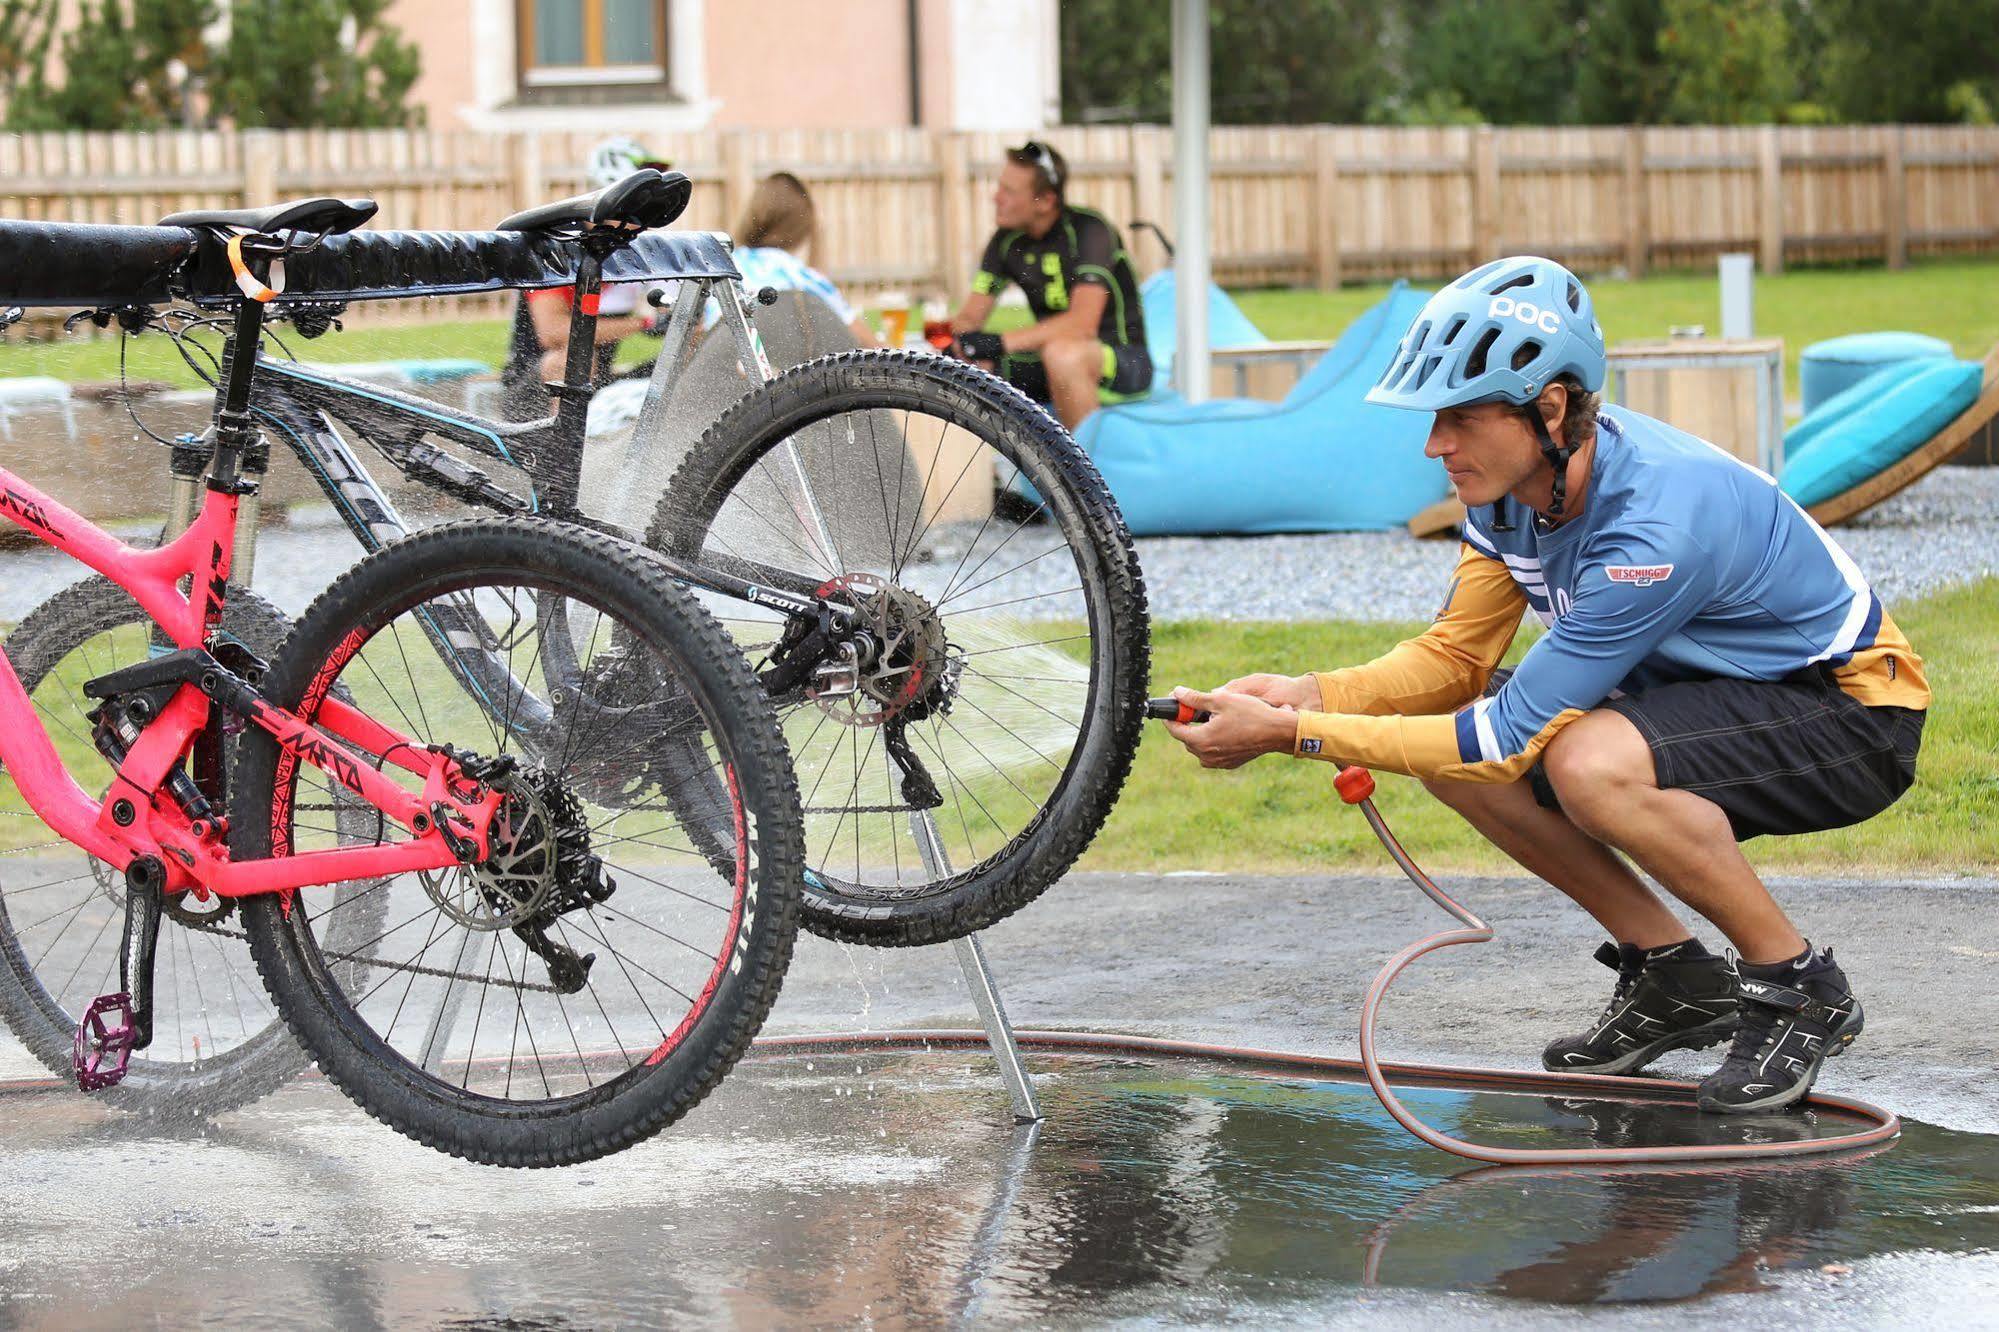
510	885
914	670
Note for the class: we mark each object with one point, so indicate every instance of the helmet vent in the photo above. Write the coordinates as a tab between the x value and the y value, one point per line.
1451	333
1575	298
1475	363
1524	354
1430	364
1523	280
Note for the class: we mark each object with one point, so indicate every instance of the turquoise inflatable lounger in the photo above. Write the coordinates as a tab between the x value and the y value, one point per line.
1876	423
1320	461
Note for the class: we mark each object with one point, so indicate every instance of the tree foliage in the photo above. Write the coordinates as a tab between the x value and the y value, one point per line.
1545	61
1298	63
150	64
289	64
1726	62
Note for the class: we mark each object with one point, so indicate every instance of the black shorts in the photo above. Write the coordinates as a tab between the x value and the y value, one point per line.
1127	374
1789	756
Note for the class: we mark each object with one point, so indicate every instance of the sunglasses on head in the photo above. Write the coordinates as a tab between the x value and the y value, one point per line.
1038	154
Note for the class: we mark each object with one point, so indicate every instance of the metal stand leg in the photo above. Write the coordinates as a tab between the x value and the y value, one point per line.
979	980
999	1032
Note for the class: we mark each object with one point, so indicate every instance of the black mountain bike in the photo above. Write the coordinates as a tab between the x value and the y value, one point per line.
959	679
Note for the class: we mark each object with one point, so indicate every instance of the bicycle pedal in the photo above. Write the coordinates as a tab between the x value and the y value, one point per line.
101	1051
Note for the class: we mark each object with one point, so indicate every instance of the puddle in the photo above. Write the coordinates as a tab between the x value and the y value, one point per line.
889	1188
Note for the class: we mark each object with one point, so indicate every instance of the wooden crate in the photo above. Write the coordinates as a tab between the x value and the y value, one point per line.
1729	392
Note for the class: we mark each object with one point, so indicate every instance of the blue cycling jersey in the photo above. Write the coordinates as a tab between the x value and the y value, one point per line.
1686	563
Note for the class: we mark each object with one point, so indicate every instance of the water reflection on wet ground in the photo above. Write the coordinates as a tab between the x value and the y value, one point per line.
888	1188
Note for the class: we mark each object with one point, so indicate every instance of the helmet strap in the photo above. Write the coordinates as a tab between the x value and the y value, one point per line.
1558	456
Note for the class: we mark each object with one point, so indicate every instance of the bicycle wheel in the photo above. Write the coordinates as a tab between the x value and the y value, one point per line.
596	976
990	733
217	1043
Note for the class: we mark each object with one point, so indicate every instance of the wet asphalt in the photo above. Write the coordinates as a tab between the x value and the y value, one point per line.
892	1190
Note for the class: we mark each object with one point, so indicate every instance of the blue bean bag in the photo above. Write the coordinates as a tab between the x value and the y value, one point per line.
1827	369
1320	461
1874	425
1843	404
1228	326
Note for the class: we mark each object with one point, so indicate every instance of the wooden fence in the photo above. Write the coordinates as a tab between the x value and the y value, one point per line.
1318	205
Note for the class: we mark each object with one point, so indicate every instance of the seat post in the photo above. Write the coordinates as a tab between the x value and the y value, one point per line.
235	432
563	484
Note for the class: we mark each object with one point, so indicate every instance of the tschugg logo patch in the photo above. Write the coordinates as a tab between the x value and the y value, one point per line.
1639	575
1308	746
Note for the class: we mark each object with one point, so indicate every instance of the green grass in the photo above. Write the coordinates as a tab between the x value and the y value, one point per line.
1957	301
1281	814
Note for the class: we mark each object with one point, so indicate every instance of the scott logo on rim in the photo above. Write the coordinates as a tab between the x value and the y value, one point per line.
1639	575
1505	307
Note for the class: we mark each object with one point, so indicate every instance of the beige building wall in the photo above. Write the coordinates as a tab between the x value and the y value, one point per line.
763	64
787	64
447	81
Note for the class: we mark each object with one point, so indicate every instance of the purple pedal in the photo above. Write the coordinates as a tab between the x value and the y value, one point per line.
101	1051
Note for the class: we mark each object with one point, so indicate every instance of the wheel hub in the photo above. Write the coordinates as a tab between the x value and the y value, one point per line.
904	666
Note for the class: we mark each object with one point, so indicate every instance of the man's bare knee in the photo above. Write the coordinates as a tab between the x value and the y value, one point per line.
1073	359
1594	764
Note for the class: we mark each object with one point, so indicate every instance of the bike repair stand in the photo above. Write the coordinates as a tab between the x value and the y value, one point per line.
979	980
735	310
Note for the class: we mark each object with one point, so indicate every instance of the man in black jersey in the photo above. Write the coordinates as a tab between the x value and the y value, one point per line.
1086	346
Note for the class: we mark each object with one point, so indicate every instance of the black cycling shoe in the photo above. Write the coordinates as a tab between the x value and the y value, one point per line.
1680	997
1795	1016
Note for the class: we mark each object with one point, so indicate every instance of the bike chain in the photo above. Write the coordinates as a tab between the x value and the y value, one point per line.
415	967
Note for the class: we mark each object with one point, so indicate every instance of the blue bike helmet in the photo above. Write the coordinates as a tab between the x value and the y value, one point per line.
1501	333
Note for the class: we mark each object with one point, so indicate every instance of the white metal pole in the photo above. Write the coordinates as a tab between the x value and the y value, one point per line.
1190	196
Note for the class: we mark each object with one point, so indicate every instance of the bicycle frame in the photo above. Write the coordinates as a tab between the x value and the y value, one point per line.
304	405
138	817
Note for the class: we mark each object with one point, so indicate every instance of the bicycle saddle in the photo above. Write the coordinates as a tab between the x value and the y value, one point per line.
643	201
311	216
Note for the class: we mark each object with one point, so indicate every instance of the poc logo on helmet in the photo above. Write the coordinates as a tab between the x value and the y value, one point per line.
1526	312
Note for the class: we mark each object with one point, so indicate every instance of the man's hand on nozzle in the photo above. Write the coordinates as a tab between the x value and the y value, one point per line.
1300	693
1239	728
977	346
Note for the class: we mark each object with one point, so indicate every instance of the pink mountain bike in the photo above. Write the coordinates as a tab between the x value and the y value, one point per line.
506	822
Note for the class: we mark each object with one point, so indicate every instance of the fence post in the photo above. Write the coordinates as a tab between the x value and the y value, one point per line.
1484	196
1770	170
525	166
1148	191
739	175
1326	209
954	180
1637	204
1895	198
260	167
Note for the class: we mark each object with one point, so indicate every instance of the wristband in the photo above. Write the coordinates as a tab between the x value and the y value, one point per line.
981	347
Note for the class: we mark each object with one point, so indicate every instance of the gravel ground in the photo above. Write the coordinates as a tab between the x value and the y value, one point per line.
1942	530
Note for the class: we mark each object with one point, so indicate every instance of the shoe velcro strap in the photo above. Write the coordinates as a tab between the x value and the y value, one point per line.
1784	999
1608	954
